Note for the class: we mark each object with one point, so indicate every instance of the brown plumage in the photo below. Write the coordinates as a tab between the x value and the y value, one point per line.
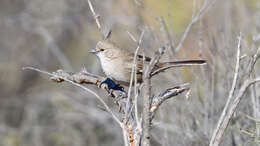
117	63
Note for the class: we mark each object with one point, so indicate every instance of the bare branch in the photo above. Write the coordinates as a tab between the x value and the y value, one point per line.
232	109
60	76
131	129
96	16
167	37
132	36
231	93
233	102
146	110
135	78
195	18
134	73
167	94
253	61
147	96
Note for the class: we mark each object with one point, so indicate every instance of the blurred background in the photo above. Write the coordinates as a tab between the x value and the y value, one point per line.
51	35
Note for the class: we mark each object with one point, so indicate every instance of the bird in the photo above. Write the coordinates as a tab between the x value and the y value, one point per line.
117	63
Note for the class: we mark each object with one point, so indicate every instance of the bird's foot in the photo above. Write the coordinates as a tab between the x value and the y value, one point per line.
112	85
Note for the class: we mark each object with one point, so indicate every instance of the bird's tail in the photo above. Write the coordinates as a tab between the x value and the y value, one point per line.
166	65
185	63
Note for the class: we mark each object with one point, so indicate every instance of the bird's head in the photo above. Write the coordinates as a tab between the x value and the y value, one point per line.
105	49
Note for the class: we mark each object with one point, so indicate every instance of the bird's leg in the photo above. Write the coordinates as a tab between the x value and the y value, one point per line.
111	85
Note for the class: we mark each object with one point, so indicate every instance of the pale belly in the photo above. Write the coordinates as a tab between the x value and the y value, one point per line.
116	70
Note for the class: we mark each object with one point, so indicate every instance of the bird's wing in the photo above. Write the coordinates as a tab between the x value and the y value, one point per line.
139	63
147	61
141	60
144	60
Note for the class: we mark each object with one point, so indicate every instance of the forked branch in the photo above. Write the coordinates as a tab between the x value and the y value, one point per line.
119	97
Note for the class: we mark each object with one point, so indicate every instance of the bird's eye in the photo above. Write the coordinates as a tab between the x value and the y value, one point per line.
102	50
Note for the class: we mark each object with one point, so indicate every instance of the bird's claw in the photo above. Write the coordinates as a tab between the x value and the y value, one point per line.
112	85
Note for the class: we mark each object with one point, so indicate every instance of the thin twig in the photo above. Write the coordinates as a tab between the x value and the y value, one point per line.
232	109
253	61
135	83
231	93
167	94
132	36
255	106
133	72
195	18
96	16
167	37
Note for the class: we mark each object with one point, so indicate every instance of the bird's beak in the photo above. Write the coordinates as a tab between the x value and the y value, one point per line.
93	51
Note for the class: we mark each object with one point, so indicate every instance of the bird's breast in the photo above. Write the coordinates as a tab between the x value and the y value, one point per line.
117	69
